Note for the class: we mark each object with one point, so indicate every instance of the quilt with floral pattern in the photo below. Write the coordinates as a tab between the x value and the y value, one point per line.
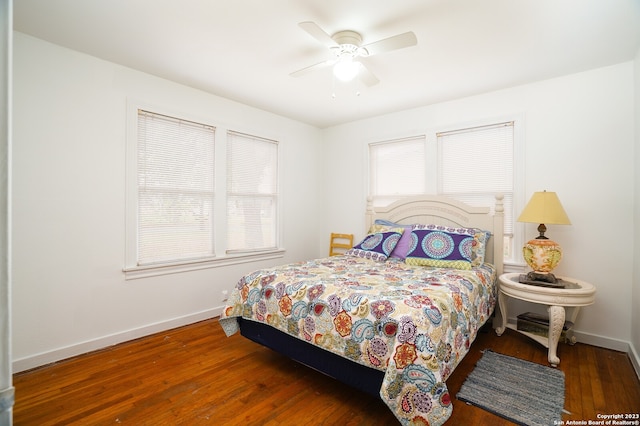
415	323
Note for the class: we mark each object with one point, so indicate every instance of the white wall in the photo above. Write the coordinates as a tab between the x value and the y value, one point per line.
69	291
579	133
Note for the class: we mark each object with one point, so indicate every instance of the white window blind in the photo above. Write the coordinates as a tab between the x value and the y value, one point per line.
398	167
175	189
252	193
476	163
471	165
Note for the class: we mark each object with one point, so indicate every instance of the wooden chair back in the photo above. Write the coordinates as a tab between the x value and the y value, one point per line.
340	243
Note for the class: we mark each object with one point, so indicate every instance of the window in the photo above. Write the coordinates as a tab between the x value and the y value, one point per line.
477	163
197	196
175	174
252	185
470	165
399	167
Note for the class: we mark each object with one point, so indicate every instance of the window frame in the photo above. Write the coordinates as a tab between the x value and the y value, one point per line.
172	195
221	258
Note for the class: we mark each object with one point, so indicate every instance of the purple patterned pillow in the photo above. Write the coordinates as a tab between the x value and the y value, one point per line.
378	245
441	243
402	248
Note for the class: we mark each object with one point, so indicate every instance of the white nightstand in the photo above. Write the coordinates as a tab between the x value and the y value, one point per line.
575	295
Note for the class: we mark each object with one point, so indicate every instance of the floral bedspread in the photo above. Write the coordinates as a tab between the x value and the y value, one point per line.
415	323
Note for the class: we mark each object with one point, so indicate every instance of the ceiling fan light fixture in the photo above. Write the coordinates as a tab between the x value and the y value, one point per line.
346	47
346	69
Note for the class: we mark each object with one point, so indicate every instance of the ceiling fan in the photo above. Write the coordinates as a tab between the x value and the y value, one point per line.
346	47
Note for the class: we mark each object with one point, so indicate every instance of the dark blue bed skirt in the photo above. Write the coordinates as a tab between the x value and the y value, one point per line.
351	373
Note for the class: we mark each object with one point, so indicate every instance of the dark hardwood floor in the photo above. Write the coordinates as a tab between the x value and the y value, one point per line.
196	375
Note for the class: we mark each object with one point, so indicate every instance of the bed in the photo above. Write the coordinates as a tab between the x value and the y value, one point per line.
392	317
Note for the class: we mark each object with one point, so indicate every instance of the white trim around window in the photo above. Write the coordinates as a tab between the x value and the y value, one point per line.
133	269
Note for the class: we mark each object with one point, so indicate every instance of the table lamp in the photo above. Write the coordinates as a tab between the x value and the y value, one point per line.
541	253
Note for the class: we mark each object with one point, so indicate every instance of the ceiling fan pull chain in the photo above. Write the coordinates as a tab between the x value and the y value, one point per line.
333	86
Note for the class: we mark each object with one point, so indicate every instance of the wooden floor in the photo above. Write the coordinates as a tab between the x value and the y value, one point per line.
195	375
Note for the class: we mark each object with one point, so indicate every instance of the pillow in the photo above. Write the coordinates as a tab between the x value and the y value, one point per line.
436	263
402	248
478	249
377	245
440	246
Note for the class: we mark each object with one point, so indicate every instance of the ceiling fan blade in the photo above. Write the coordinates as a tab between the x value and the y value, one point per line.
367	77
318	33
396	42
313	67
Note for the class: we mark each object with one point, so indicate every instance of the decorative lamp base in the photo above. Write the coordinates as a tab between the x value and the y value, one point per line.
542	255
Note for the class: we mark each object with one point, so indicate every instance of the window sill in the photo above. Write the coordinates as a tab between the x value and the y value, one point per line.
514	267
137	272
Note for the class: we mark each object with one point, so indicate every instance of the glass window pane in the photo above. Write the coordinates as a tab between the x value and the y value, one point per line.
175	189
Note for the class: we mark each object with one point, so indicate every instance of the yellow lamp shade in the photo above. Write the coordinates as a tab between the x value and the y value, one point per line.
544	207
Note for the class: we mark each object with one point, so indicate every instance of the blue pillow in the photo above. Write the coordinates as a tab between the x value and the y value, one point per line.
377	245
441	246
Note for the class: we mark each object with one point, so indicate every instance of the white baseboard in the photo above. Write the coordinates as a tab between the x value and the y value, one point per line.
635	359
59	354
604	342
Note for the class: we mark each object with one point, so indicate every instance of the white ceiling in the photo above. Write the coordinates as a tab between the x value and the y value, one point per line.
245	49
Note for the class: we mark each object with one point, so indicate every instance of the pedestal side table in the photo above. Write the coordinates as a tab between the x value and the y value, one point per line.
574	295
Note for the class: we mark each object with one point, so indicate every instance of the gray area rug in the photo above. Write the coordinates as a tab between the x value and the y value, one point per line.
523	392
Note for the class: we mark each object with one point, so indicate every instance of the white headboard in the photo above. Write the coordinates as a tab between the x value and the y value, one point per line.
445	211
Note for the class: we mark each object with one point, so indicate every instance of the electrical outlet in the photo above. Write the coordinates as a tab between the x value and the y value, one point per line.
225	295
